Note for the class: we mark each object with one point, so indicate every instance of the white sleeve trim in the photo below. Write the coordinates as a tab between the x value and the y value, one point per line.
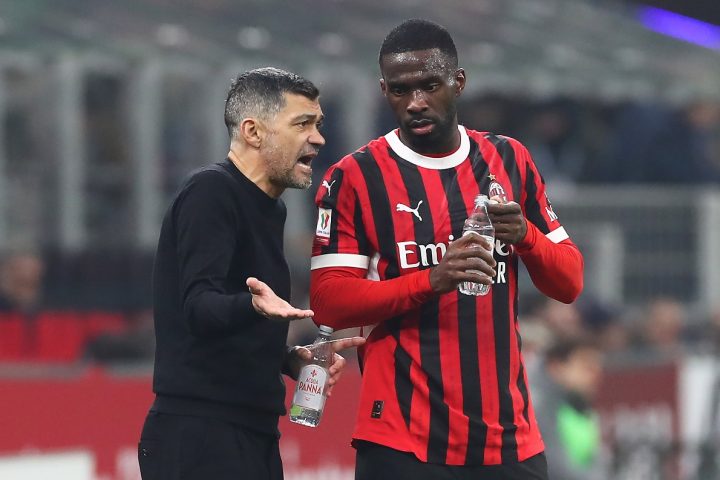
558	235
339	260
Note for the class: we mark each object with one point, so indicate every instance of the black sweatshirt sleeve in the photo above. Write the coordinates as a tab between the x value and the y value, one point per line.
207	231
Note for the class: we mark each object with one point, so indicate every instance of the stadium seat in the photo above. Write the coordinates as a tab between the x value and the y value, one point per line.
59	336
13	336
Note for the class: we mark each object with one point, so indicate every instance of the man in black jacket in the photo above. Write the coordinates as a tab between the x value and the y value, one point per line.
221	348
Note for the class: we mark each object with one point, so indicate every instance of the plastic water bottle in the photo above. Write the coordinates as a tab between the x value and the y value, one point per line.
478	223
310	390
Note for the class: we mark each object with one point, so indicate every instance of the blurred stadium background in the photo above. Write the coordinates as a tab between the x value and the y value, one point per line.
106	106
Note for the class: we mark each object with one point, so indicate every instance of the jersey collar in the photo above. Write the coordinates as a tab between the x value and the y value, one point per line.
435	163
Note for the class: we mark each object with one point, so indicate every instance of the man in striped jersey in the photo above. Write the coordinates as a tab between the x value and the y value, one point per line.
444	391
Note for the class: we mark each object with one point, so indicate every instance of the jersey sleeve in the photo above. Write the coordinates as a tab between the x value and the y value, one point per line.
340	238
535	202
343	298
344	288
553	261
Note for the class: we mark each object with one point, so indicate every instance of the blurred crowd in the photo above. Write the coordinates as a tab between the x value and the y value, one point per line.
575	141
35	331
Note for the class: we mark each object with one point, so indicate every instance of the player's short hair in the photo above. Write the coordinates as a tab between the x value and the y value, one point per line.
260	93
419	34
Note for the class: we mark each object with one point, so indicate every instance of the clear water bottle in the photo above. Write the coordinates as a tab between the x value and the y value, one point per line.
478	223
310	390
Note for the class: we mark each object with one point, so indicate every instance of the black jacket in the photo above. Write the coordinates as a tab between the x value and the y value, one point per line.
215	356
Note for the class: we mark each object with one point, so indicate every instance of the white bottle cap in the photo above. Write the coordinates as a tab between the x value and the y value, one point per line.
481	199
326	330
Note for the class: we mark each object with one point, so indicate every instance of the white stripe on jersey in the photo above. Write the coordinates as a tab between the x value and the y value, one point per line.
558	235
339	260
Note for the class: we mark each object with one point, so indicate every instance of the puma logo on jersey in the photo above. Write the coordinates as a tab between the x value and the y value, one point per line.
328	185
404	208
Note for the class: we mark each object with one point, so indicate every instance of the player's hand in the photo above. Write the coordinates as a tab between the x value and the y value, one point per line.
470	252
508	220
299	356
269	305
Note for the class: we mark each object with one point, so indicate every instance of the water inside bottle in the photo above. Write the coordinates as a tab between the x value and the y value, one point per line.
472	288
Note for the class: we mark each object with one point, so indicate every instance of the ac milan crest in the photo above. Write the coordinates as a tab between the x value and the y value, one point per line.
496	190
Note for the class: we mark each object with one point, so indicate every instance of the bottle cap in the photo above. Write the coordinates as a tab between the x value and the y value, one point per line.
481	199
326	330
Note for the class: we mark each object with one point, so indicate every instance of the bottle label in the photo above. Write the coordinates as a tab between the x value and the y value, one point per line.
310	386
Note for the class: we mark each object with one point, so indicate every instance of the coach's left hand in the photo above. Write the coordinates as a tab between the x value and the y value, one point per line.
268	304
299	356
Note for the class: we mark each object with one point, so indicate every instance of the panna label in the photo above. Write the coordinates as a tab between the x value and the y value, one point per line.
309	391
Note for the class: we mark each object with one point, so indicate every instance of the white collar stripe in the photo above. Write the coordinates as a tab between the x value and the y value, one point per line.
434	163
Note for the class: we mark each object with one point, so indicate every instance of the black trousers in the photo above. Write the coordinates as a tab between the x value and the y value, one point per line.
180	447
377	462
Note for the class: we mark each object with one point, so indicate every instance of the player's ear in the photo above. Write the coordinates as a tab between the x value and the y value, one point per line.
383	87
460	80
251	131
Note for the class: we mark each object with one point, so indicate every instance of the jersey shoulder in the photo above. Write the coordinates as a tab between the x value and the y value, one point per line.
365	153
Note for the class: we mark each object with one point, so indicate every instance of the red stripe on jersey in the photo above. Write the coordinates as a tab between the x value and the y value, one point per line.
403	222
468	186
515	361
488	379
379	151
485	329
450	361
352	169
448	330
485	335
534	443
437	203
346	203
524	161
420	406
495	164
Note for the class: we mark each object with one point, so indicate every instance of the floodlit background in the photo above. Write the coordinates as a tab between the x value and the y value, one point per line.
105	107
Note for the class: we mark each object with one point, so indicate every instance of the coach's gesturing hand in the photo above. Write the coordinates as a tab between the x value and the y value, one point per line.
269	305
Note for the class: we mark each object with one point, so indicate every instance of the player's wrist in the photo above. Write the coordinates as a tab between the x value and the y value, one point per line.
528	240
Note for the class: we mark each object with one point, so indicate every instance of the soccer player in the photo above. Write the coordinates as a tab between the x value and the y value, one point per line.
221	348
444	390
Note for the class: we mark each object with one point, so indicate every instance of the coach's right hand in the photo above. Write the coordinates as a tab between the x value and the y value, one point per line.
466	253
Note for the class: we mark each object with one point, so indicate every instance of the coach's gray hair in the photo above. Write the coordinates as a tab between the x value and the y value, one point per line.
259	93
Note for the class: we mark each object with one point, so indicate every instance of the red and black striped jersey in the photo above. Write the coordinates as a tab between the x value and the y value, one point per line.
444	380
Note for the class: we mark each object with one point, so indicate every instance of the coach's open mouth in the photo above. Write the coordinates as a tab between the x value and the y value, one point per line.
307	159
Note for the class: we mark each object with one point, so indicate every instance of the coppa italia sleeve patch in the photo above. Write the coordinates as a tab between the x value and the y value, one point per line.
322	231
